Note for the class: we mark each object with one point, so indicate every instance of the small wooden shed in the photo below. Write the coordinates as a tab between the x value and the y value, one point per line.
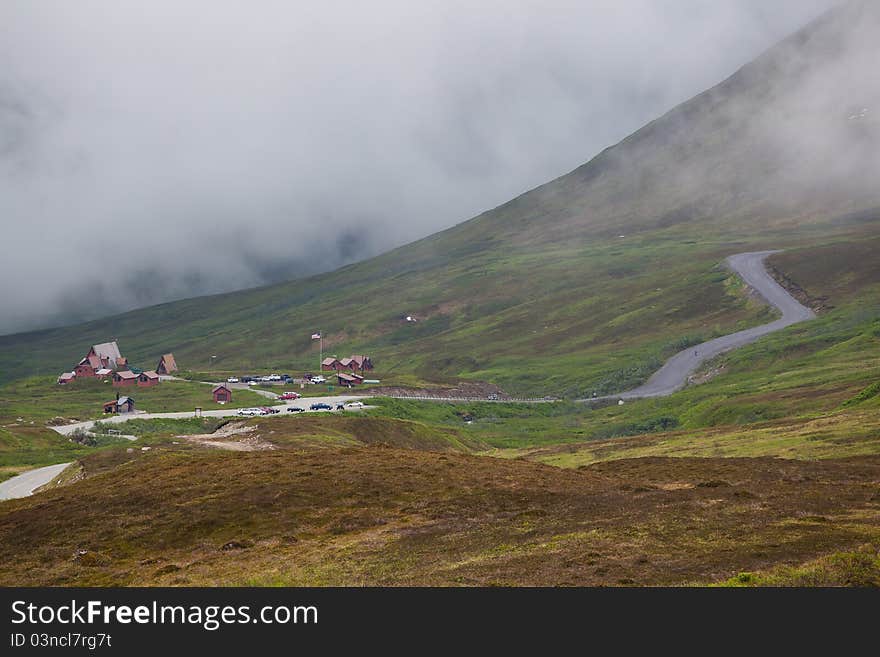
222	394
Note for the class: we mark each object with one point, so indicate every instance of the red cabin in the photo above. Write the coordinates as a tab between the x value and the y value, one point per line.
166	365
349	380
222	394
147	379
125	378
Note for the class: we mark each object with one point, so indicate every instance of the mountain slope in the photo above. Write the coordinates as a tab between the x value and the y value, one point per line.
543	294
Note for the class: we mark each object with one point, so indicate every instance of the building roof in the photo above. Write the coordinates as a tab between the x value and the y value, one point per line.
124	400
222	386
107	350
169	361
346	377
126	374
328	361
345	362
150	375
67	375
104	371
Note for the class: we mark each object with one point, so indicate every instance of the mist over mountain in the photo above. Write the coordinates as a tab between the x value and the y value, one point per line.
153	152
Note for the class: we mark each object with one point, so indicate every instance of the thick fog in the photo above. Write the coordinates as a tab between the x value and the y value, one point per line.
156	150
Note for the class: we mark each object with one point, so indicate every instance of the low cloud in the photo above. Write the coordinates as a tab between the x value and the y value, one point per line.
151	151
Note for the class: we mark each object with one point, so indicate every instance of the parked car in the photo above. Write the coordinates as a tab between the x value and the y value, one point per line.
274	377
319	379
232	379
321	407
253	383
492	397
355	404
250	412
265	410
289	395
295	409
340	407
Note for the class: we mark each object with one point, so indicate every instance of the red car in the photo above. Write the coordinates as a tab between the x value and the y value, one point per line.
289	395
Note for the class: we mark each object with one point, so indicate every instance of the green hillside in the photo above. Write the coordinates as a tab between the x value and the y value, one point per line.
584	284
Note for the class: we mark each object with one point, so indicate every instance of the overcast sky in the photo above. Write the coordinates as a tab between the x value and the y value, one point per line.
155	150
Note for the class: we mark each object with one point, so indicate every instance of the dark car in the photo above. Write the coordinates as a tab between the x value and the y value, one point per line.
340	407
321	407
295	409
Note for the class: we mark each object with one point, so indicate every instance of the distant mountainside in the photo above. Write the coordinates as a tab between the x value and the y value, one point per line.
586	282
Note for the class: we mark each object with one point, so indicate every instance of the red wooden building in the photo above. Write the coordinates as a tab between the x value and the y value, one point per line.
330	365
356	363
349	380
107	353
222	394
166	365
125	378
147	379
362	363
66	378
88	366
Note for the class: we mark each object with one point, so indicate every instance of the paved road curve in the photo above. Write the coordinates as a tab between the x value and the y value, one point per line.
675	372
25	483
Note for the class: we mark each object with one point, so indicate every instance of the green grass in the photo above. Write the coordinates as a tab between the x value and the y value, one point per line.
27	405
139	427
40	398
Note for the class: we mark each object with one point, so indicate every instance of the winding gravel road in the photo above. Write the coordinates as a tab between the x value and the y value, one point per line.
27	482
674	374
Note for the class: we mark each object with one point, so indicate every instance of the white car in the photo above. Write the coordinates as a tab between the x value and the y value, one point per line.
274	377
253	383
318	379
250	412
355	404
265	379
232	379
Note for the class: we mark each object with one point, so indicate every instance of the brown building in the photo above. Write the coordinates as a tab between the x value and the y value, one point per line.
103	373
122	363
330	365
107	353
166	365
66	378
120	405
125	378
88	366
356	363
349	380
362	363
222	394
146	379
